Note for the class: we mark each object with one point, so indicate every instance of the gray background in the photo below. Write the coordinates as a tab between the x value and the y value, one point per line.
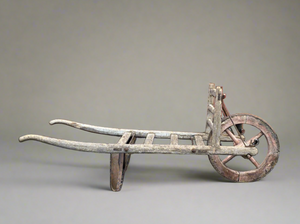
145	65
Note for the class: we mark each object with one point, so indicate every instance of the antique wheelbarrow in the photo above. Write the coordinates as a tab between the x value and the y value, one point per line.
225	139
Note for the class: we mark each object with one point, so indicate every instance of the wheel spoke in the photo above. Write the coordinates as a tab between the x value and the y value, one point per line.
269	142
254	138
255	163
232	136
227	159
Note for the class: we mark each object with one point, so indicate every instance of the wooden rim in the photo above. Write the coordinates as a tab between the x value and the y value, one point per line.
263	168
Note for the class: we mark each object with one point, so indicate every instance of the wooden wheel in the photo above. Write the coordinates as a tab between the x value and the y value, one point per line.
247	168
118	165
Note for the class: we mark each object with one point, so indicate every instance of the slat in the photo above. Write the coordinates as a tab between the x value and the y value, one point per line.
210	124
210	100
199	140
212	92
174	139
125	137
211	108
149	139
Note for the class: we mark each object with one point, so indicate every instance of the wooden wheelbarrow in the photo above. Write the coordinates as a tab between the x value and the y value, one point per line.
223	140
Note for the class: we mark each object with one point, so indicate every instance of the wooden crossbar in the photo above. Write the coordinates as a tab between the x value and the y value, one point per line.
199	140
149	139
125	137
174	139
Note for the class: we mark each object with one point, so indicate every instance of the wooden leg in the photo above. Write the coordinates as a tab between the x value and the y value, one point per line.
127	155
116	171
118	166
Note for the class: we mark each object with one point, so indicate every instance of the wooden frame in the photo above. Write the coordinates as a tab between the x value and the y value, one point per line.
202	143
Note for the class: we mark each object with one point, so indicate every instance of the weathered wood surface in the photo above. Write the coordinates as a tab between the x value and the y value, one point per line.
202	143
119	163
259	170
210	103
211	108
216	131
142	148
149	139
199	141
210	124
120	132
174	139
132	140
